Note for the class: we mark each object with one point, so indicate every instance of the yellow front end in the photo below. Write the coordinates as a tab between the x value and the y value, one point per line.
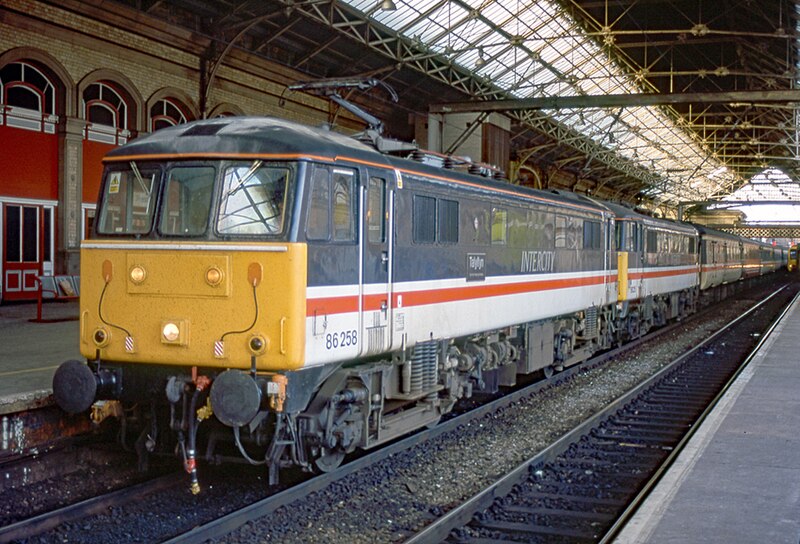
194	304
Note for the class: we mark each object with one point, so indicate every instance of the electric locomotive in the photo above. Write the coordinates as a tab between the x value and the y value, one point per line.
290	294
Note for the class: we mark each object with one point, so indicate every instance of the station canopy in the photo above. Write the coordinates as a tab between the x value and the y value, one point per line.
538	49
655	101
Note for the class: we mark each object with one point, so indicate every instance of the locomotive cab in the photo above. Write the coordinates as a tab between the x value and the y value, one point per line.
192	270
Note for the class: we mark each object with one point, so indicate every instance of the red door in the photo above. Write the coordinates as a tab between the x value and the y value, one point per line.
26	230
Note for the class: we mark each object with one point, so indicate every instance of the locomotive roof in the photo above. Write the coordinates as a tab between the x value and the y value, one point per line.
252	137
247	136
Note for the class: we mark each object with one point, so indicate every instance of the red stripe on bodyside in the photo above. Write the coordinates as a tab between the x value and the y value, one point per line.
661	274
458	294
346	304
331	305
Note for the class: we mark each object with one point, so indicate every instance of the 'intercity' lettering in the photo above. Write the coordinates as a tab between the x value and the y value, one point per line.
537	261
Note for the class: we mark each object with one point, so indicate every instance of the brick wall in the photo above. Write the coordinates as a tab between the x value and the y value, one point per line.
83	43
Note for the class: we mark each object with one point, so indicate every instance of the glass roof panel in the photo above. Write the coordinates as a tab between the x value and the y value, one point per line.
536	49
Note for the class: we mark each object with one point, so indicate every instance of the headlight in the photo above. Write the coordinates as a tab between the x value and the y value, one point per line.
171	332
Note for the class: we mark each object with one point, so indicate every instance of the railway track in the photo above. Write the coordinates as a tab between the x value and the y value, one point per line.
584	487
84	509
198	531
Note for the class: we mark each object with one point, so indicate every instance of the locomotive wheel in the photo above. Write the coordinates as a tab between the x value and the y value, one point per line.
548	371
433	423
328	460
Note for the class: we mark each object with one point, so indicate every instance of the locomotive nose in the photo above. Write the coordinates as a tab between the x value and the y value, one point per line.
74	386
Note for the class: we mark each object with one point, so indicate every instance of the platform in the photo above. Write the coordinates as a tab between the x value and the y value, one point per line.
738	479
30	352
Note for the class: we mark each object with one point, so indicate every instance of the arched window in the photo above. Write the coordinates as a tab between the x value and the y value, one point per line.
29	97
106	112
165	113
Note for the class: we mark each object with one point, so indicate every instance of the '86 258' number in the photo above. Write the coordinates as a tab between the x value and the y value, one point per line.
342	339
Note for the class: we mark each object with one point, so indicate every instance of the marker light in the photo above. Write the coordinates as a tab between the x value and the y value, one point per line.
137	274
213	276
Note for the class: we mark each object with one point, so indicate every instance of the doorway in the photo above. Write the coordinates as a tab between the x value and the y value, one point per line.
27	248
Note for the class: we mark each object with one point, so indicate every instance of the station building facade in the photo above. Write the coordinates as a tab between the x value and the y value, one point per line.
74	85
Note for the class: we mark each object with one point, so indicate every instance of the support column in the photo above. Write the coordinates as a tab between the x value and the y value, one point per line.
70	191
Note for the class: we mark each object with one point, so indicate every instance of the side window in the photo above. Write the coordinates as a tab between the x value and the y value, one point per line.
376	210
424	220
318	221
342	206
539	228
574	233
474	222
519	234
592	237
619	235
630	236
499	226
331	209
561	231
448	221
651	246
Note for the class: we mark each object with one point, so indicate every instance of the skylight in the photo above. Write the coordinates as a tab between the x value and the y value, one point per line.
535	49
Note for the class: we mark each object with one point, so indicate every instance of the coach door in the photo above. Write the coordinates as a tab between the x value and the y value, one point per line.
376	285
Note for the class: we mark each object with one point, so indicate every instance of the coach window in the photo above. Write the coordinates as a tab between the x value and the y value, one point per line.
561	231
592	237
518	233
651	241
499	226
574	233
